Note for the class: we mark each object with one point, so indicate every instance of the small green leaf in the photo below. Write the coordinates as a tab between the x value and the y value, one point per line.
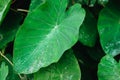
108	69
9	28
109	28
47	32
88	30
3	71
12	75
4	7
67	68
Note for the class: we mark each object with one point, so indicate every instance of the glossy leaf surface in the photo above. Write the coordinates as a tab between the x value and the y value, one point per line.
47	32
108	69
67	68
109	29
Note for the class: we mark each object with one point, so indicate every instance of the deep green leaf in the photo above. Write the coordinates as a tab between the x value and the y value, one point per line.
9	28
4	7
109	28
66	68
108	69
47	32
3	71
88	30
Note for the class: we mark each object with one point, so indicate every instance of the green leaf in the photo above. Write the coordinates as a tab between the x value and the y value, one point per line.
47	32
36	3
67	68
9	28
11	75
109	28
3	71
88	30
4	7
108	69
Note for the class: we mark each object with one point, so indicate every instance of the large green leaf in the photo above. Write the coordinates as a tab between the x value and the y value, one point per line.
88	30
9	28
4	7
109	28
108	69
3	71
47	32
66	68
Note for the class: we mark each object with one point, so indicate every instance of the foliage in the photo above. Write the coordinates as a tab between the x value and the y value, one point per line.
110	67
59	40
3	71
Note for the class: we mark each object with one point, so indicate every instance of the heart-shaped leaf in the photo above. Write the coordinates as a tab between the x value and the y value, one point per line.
67	68
47	32
4	7
109	28
108	69
3	71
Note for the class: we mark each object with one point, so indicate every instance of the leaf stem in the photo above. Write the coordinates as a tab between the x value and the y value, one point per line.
6	58
14	10
22	10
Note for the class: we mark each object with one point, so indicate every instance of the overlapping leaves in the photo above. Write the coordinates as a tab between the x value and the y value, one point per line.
108	69
47	32
66	68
